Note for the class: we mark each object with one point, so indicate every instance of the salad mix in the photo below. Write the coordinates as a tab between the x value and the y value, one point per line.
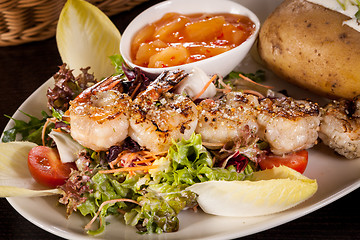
152	190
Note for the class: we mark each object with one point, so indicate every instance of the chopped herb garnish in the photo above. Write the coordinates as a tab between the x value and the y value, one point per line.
258	76
29	131
357	14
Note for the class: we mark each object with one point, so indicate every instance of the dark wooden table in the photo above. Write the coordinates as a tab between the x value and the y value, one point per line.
24	68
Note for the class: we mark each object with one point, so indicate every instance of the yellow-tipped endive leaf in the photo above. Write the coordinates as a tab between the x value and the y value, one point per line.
270	191
86	37
15	178
8	191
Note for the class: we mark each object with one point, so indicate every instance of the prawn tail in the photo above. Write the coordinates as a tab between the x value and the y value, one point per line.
164	83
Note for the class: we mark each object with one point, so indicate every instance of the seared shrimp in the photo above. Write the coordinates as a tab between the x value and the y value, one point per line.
158	116
99	116
288	125
340	127
227	119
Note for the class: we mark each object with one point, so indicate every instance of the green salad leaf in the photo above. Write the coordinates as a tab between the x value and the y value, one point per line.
160	194
117	61
105	187
258	76
30	131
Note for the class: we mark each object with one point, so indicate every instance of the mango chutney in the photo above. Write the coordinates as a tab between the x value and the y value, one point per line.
178	39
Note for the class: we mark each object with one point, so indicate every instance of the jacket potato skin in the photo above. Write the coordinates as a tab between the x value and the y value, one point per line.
308	45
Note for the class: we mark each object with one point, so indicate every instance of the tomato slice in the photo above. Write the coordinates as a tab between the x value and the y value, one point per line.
297	161
46	167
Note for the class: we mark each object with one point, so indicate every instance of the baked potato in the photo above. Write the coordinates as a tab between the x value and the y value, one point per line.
307	44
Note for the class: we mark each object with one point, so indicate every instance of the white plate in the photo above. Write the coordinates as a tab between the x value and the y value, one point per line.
336	177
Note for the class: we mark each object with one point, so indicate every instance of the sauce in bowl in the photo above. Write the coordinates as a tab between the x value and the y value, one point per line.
178	39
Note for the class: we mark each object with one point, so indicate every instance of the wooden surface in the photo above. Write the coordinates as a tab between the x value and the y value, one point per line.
24	68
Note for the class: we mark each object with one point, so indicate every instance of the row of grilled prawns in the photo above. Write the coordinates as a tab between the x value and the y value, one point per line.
103	116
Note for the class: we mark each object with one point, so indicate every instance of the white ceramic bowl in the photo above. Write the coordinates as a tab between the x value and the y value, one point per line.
221	64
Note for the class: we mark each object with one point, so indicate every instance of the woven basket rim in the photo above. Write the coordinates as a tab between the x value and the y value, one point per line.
23	21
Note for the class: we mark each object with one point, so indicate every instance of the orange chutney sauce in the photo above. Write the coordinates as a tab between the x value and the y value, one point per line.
178	39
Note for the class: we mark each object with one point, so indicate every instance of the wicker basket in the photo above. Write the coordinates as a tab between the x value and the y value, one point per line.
24	21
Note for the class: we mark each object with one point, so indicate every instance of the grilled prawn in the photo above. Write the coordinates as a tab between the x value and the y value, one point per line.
99	116
288	125
228	118
340	127
158	116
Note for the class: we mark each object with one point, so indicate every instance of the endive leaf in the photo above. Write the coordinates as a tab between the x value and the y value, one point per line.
269	192
86	37
15	178
67	147
194	83
8	191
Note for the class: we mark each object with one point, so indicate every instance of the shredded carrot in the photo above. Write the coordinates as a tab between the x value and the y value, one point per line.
226	89
134	92
249	80
122	156
43	132
87	227
57	130
153	155
129	169
125	158
111	164
121	211
44	129
131	157
254	93
140	158
126	161
145	160
205	87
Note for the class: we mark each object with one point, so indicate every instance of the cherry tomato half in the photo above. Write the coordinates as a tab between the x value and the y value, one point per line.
297	161
46	168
